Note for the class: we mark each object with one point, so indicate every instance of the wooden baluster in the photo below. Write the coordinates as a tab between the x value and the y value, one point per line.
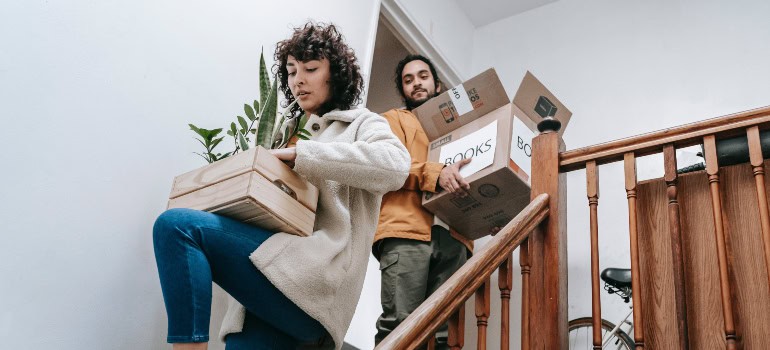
629	162
592	189
757	163
677	255
456	336
712	169
524	264
504	281
482	314
548	244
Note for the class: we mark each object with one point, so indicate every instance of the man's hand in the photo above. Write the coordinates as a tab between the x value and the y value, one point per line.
287	155
451	181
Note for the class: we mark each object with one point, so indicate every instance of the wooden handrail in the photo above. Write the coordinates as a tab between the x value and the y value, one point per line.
424	321
680	136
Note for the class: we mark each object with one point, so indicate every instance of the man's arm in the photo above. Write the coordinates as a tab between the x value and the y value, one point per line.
422	176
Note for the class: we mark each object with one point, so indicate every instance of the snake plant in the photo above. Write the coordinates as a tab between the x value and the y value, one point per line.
272	131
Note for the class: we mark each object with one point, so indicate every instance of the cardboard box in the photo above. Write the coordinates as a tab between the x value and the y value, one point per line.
254	187
499	175
535	101
461	104
499	190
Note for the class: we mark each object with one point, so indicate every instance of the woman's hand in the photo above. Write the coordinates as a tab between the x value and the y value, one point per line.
287	155
450	179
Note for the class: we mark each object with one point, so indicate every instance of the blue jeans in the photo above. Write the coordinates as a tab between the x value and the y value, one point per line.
194	249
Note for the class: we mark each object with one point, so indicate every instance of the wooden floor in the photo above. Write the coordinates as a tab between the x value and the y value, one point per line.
748	275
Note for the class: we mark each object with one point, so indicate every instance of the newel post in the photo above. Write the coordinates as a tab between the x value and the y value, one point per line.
547	245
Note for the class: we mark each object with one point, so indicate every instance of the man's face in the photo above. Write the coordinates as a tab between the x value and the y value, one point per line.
417	83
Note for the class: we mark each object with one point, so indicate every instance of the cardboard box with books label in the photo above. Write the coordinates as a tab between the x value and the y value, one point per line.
253	187
499	142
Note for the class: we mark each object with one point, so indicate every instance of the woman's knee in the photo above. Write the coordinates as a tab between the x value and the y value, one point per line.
173	222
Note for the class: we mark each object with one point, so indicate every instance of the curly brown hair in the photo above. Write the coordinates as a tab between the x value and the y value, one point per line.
315	41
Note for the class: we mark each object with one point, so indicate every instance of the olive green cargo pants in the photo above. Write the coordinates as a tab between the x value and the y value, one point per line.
411	271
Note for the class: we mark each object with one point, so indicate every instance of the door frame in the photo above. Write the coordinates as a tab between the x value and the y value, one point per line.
406	30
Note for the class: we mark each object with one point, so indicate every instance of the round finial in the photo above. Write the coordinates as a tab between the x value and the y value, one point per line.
549	124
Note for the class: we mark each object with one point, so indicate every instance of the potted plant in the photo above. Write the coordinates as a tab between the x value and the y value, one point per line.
272	131
249	183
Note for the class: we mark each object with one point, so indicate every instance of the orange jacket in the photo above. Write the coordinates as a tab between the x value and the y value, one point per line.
402	214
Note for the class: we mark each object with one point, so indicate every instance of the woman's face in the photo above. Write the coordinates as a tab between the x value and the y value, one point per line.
309	83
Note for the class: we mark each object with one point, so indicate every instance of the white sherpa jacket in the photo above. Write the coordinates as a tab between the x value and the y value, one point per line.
353	161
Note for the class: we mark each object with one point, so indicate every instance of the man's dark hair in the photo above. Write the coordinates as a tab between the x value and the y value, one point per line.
400	70
315	41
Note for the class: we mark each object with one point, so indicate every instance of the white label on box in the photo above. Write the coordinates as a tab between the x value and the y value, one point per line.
480	145
521	146
460	99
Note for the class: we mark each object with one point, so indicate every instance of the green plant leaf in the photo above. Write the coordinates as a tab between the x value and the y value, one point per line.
264	80
202	156
216	142
302	137
253	131
267	117
302	121
256	107
243	123
230	132
202	132
214	133
249	112
242	141
233	129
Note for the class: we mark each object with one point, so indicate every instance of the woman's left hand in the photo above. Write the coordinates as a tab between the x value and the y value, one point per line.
287	155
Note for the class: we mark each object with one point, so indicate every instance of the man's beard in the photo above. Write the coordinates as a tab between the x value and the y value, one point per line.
412	103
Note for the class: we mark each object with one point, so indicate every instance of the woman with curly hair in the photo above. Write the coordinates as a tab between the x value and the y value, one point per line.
289	291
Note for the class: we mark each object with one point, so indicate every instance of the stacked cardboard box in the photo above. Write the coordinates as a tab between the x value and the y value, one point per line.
475	120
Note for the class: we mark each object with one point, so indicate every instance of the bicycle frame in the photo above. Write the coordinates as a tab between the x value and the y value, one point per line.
609	335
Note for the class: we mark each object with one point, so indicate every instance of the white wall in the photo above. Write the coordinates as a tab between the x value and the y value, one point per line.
625	68
448	27
95	97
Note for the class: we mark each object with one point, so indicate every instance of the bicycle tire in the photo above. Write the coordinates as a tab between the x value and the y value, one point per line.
586	323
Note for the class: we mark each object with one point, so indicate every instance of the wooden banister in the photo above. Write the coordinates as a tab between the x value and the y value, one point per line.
712	169
505	283
629	165
547	255
428	317
758	168
677	257
482	314
650	143
592	190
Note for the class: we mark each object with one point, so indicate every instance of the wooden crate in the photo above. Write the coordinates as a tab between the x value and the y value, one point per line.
254	187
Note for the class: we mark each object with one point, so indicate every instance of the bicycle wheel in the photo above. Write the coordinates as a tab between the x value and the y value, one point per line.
581	335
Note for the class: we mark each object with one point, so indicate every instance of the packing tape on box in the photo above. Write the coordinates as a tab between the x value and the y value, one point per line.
460	99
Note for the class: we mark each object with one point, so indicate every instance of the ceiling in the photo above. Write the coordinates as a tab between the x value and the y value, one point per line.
483	12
